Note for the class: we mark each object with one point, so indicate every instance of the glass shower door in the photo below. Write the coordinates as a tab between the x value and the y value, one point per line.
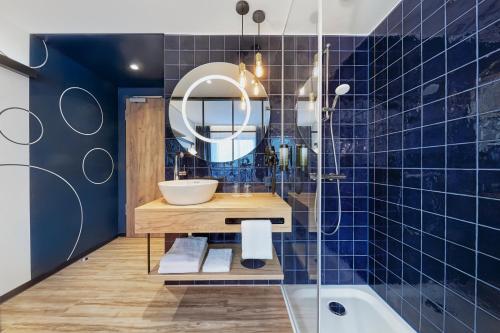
301	131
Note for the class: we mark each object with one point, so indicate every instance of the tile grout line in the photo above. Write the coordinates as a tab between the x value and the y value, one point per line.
477	166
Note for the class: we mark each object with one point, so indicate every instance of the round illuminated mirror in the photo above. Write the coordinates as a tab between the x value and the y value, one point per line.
219	112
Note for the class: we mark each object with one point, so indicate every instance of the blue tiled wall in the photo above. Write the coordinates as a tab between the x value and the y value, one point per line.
434	159
185	52
299	246
345	254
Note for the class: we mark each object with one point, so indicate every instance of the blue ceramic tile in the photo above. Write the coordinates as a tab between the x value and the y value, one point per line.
488	210
458	307
485	322
434	68
433	157
412	158
412	78
461	54
489	183
487	298
411	138
455	9
434	19
461	130
435	248
461	207
461	258
462	27
434	112
489	67
461	181
488	270
431	6
488	39
433	202
487	13
460	283
186	42
461	79
171	42
411	19
462	105
412	99
433	135
487	241
433	179
433	224
489	155
434	90
409	5
433	324
434	46
461	156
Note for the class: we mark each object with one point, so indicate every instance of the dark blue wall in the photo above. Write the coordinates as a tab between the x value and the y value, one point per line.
435	164
55	212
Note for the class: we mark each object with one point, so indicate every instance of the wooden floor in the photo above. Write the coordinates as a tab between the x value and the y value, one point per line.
111	292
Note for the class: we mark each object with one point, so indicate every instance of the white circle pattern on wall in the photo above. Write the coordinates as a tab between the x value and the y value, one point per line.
69	185
112	166
45	59
66	121
31	114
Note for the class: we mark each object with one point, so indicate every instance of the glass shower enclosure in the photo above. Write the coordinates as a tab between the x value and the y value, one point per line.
301	186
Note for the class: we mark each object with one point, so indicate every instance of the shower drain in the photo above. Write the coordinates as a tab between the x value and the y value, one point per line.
337	308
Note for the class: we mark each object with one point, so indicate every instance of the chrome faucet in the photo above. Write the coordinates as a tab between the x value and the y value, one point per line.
177	172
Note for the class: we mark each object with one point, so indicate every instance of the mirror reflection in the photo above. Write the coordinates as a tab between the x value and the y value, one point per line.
307	124
216	110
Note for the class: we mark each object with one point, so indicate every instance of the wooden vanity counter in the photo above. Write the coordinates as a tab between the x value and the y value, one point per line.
210	217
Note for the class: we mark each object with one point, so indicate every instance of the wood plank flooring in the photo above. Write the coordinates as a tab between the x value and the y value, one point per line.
111	292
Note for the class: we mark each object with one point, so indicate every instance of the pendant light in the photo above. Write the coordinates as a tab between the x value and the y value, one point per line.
258	17
242	8
256	89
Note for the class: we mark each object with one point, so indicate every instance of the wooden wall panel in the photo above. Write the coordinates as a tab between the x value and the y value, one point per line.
145	154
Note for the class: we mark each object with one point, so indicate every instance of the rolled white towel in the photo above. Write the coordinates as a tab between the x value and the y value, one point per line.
218	261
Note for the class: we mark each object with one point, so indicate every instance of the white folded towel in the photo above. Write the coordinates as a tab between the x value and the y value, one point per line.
218	261
256	239
185	256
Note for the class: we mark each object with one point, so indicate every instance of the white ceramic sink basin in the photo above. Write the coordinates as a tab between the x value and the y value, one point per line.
188	191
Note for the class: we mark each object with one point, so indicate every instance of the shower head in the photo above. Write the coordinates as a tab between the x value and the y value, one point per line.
342	89
339	91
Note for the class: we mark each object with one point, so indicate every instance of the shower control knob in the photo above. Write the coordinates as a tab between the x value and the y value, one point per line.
333	176
329	177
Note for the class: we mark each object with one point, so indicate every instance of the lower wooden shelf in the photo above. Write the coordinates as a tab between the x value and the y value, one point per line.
271	271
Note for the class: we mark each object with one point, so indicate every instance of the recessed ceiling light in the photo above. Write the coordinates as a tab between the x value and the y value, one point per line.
134	67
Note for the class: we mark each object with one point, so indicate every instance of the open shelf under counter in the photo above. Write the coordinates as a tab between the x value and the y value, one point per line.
271	271
212	217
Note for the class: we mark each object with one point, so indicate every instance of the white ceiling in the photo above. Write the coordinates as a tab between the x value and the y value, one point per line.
353	17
